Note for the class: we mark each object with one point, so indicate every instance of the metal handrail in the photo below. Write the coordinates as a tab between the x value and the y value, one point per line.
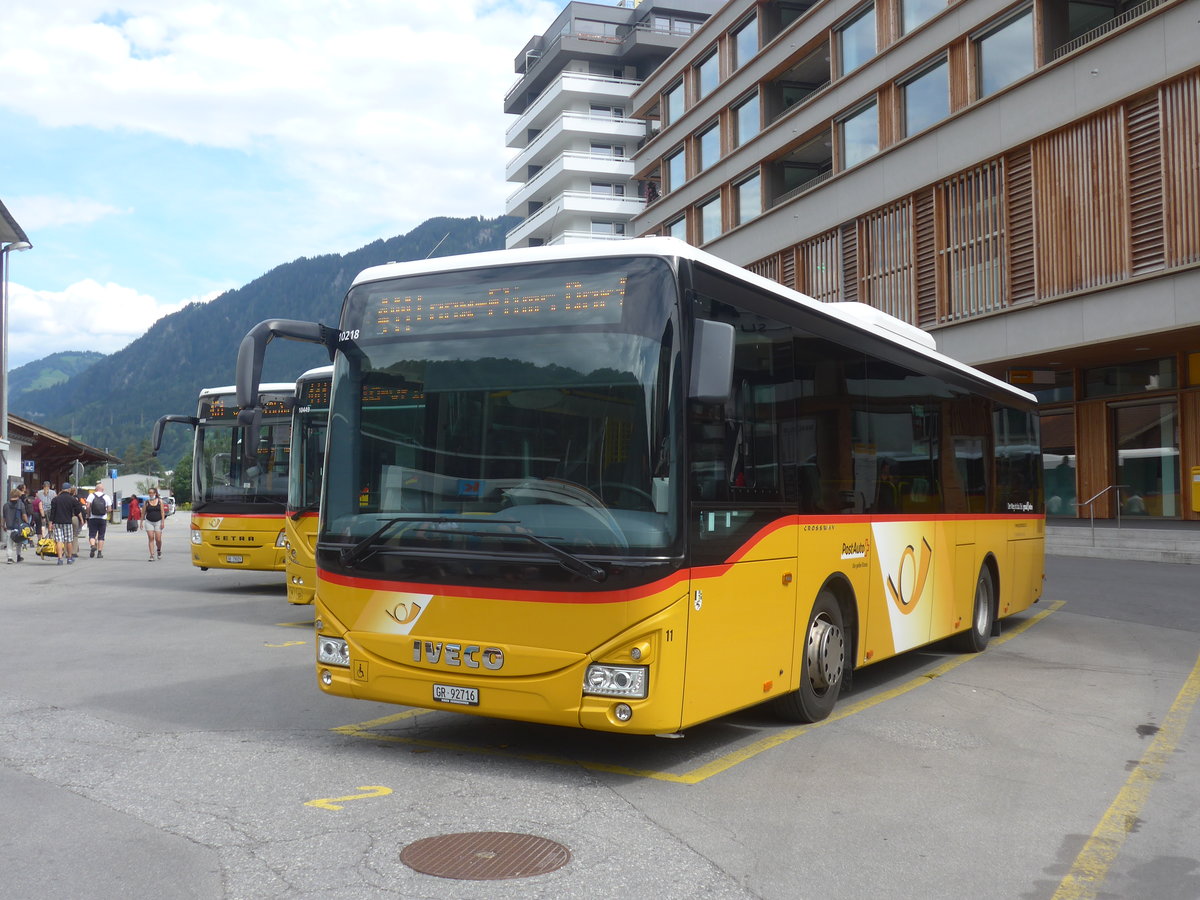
1091	505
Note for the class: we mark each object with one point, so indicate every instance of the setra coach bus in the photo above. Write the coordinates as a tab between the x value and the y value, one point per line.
633	487
239	478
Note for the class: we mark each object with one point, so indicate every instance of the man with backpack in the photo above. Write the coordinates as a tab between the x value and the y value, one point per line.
65	509
97	506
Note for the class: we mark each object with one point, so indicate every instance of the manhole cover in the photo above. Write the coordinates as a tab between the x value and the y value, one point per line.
485	855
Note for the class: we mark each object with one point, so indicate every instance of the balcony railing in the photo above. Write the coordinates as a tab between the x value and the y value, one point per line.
557	166
797	191
1111	25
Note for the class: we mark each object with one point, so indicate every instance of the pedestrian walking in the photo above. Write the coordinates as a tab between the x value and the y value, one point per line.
154	514
135	514
16	521
45	497
97	512
65	512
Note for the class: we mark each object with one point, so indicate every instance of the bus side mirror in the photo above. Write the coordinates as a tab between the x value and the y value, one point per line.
712	362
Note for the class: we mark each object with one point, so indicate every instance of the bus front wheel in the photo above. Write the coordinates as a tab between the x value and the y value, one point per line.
975	638
821	667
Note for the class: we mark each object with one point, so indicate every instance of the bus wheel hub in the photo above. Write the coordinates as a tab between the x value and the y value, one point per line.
825	651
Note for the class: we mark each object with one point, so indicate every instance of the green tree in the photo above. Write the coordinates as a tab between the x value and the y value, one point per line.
181	480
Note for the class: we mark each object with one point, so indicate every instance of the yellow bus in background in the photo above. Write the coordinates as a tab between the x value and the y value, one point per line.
309	417
631	487
239	478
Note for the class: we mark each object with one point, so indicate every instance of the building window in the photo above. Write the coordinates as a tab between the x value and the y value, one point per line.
707	75
746	120
747	199
708	147
856	40
604	189
915	13
678	228
860	135
607	112
745	42
616	151
886	261
972	242
1006	54
926	99
1130	378
592	28
710	219
673	103
616	229
676	170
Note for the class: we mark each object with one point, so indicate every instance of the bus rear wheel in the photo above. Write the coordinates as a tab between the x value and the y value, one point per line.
975	638
821	667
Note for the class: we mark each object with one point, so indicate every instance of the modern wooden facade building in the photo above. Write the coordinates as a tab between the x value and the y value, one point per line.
1021	180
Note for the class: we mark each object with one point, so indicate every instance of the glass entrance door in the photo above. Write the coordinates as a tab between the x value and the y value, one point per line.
1146	437
1058	461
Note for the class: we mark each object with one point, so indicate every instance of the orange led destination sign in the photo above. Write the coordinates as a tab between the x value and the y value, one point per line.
594	301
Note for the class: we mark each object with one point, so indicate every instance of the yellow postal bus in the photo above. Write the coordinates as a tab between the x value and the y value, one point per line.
309	417
632	487
239	479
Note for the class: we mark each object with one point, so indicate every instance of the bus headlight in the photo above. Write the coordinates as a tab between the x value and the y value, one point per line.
281	541
197	537
615	681
333	651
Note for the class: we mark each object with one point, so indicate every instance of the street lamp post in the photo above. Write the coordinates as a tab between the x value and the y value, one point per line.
4	252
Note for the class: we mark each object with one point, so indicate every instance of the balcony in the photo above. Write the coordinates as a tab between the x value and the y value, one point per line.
568	168
573	211
568	87
577	128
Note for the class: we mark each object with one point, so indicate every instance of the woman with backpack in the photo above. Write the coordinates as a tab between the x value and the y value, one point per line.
154	514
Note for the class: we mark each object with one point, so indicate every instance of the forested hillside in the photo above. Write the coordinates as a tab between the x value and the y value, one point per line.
49	371
113	405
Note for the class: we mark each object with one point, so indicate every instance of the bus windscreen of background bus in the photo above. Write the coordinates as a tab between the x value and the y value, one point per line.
240	481
309	418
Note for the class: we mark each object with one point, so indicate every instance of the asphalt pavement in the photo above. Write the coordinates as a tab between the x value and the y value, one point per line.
162	735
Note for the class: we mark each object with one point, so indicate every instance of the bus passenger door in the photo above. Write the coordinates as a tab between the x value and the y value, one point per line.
741	618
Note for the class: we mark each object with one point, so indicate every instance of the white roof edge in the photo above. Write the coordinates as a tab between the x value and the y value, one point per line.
858	315
231	389
318	372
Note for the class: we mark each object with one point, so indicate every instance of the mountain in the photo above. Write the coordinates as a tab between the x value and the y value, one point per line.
50	371
114	403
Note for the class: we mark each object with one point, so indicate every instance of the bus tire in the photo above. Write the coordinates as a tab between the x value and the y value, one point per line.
822	665
983	614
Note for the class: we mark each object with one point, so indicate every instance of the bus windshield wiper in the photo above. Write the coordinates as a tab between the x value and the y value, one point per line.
568	561
297	513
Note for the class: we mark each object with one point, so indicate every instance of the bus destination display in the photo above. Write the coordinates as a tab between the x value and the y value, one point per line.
537	301
217	409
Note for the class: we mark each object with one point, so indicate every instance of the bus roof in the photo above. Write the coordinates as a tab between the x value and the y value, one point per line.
859	316
314	374
231	389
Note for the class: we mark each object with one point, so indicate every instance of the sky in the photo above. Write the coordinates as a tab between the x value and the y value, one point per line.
160	152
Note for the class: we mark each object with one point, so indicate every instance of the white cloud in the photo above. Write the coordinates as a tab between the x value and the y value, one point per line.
49	212
86	316
377	106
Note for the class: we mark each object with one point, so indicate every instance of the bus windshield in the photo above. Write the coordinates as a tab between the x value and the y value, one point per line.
308	457
239	465
517	409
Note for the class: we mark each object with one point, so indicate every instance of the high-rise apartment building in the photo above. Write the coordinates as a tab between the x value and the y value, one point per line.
1020	179
574	133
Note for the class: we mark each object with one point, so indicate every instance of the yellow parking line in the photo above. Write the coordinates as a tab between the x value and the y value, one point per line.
1091	866
721	764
